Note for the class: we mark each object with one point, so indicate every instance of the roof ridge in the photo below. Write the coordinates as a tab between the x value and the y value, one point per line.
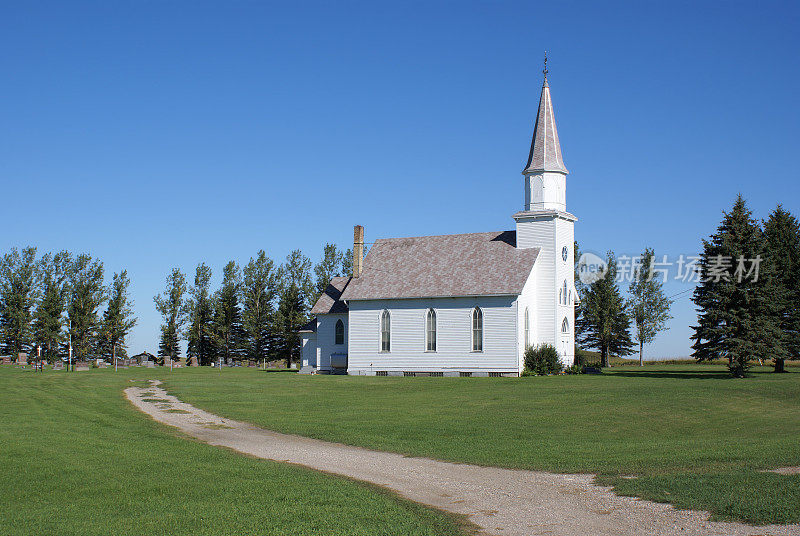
444	235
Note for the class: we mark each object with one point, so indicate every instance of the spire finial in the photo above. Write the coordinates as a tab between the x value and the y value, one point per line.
545	67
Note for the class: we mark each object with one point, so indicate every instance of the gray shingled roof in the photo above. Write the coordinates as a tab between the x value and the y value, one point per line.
478	264
330	301
545	152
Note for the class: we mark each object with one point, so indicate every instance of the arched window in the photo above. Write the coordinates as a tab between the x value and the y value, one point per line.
564	293
430	331
527	329
477	330
339	332
386	331
565	327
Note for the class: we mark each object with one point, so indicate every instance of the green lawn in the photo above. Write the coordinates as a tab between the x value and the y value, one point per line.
78	459
690	434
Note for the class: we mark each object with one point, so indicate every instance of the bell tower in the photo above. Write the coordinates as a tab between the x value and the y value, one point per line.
544	223
545	173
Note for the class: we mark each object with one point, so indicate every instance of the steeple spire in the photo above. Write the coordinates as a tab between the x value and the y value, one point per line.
544	71
545	152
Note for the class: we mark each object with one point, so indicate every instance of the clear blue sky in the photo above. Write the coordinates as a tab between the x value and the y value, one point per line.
161	134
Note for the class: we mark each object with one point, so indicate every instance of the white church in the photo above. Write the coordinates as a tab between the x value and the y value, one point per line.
458	305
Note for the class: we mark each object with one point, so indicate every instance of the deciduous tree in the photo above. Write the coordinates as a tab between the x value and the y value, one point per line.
118	318
347	263
86	294
19	287
328	267
297	271
648	305
48	324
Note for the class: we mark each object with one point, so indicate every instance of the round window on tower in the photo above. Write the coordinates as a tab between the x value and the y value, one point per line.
565	253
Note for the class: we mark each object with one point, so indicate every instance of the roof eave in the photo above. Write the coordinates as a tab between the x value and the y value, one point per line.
492	295
546	213
532	171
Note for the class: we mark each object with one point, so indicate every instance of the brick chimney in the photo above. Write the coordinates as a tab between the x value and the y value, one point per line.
358	250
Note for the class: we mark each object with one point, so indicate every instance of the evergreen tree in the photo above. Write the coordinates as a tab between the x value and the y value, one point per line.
296	294
580	299
648	306
86	294
172	307
290	317
604	324
259	290
736	311
200	308
118	319
327	268
48	324
227	323
782	257
19	287
580	294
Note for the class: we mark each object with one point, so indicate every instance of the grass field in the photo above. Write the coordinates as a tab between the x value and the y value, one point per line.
690	434
78	459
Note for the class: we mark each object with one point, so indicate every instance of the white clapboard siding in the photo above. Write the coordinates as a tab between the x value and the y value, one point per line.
541	233
309	342
454	335
326	338
565	271
527	300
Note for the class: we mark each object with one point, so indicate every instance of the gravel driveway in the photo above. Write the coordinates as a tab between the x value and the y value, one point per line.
500	501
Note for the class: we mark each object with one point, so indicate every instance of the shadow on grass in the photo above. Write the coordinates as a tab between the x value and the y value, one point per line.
720	374
674	374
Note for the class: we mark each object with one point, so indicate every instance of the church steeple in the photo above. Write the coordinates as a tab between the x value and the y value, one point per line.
544	223
545	152
545	173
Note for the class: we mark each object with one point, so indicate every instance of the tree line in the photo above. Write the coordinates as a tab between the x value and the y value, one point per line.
60	300
256	312
749	285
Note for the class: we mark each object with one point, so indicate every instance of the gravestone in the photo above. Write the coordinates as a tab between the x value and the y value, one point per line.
6	359
58	365
194	361
81	366
22	358
148	364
